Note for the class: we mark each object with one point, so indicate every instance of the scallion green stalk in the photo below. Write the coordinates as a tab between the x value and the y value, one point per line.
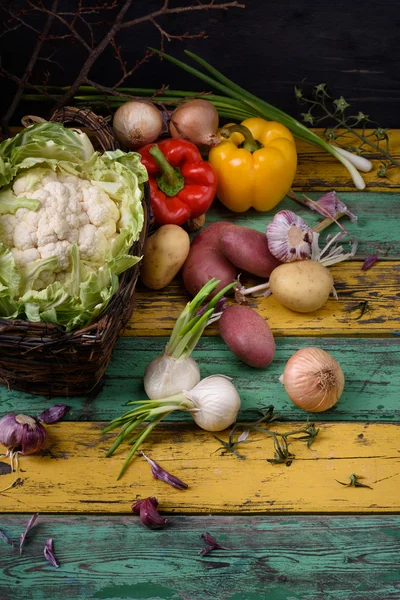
231	89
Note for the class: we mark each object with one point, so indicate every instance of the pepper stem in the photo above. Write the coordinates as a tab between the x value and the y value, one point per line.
170	181
249	143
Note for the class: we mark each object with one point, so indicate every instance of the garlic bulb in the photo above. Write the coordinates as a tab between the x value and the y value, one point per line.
313	379
166	376
216	402
289	237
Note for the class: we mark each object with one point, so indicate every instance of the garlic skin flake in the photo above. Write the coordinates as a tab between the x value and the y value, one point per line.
289	237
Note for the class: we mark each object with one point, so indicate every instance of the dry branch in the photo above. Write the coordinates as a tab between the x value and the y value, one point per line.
80	27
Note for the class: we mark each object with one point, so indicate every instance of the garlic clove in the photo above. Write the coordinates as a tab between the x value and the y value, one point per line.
289	237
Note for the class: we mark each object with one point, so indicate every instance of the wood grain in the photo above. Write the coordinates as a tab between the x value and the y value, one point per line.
371	368
156	312
282	558
73	475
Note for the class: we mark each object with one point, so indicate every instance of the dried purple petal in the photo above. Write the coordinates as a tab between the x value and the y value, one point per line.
212	544
369	261
6	539
52	414
49	554
162	475
147	510
28	527
330	205
289	237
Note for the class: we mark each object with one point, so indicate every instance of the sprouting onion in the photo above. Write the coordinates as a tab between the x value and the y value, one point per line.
175	369
213	403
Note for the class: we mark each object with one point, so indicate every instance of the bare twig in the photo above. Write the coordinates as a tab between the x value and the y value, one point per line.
28	71
78	25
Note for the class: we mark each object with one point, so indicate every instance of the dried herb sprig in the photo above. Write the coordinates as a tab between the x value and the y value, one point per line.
363	307
322	106
281	443
266	415
354	482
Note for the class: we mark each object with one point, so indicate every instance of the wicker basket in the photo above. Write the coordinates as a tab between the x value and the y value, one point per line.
42	358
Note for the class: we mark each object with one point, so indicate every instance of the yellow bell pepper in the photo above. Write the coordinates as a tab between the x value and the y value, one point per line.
254	170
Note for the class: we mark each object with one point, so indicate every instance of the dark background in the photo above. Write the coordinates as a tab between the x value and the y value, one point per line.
268	48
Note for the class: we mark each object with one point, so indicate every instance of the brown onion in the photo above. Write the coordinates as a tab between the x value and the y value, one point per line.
197	121
137	123
313	379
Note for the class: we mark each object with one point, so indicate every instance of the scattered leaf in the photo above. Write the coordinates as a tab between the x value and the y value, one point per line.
212	544
49	553
369	261
52	414
31	523
162	475
147	510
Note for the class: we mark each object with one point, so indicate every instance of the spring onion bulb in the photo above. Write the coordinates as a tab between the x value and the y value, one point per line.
175	369
213	403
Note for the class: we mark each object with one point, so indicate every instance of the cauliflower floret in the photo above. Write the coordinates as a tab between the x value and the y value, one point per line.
20	184
99	207
7	226
25	231
92	243
24	257
60	249
45	278
63	277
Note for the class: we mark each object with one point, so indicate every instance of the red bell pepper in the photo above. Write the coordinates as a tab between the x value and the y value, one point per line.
182	184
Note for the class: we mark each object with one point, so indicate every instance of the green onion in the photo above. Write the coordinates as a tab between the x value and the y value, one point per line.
267	111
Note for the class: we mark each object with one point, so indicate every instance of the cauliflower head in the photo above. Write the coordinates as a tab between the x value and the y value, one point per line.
68	219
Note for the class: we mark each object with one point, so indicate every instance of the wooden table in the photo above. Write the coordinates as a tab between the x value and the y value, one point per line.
293	533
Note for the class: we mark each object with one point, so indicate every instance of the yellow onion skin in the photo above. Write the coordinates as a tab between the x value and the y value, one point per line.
313	379
137	123
197	121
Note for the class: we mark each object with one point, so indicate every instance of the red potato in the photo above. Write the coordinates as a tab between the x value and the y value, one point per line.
248	250
206	261
247	335
223	250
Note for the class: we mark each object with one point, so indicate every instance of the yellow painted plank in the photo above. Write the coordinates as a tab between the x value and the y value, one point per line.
74	476
156	312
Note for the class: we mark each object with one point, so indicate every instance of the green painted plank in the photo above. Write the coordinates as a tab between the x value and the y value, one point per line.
376	229
281	558
371	368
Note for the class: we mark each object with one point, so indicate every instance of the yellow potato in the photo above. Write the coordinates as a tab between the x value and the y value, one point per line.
302	285
164	254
